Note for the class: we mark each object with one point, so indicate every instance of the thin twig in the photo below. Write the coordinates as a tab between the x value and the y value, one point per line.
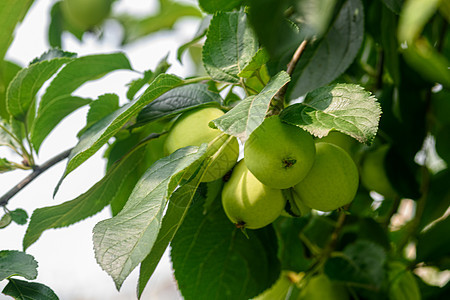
277	103
37	170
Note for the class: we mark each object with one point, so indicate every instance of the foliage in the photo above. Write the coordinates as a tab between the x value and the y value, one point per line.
375	71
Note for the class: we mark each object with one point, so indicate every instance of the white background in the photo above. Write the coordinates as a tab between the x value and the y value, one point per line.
65	256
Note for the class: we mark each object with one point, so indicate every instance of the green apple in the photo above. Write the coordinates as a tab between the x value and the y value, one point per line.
86	14
332	181
247	202
340	139
191	129
320	287
279	154
373	172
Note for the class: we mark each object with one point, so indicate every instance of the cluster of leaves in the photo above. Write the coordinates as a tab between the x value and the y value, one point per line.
354	49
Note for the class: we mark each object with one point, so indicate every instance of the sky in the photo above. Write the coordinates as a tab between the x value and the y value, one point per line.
65	256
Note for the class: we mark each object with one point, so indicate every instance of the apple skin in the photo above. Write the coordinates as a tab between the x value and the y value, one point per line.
340	139
332	181
373	173
191	129
279	154
320	287
86	14
247	202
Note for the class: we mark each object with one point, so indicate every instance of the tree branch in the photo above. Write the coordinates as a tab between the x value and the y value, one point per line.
37	170
277	103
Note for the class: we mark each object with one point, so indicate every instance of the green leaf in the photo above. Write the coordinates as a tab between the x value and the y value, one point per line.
148	77
214	260
16	263
5	220
327	58
230	45
394	5
201	32
52	114
347	108
53	53
116	185
122	242
19	216
6	165
176	212
390	44
213	6
177	101
71	77
23	88
6	138
438	198
169	14
8	71
361	262
56	26
258	60
292	252
96	136
315	16
415	14
250	113
24	290
11	13
433	245
105	104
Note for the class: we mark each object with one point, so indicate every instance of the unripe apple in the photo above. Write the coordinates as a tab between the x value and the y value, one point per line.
192	129
279	154
332	181
340	139
320	287
86	14
373	172
247	202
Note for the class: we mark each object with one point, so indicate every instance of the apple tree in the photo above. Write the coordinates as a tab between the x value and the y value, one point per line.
280	171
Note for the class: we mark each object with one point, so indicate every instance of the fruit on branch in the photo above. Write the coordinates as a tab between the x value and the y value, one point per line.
332	181
191	129
279	154
373	172
320	287
86	14
247	202
340	139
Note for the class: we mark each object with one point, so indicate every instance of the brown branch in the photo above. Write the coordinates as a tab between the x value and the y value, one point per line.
37	170
277	103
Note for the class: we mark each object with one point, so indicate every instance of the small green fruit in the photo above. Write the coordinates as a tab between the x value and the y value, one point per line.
191	129
332	181
86	14
340	139
247	202
320	287
279	154
373	173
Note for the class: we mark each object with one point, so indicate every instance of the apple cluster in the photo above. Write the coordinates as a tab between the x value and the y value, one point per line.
278	158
